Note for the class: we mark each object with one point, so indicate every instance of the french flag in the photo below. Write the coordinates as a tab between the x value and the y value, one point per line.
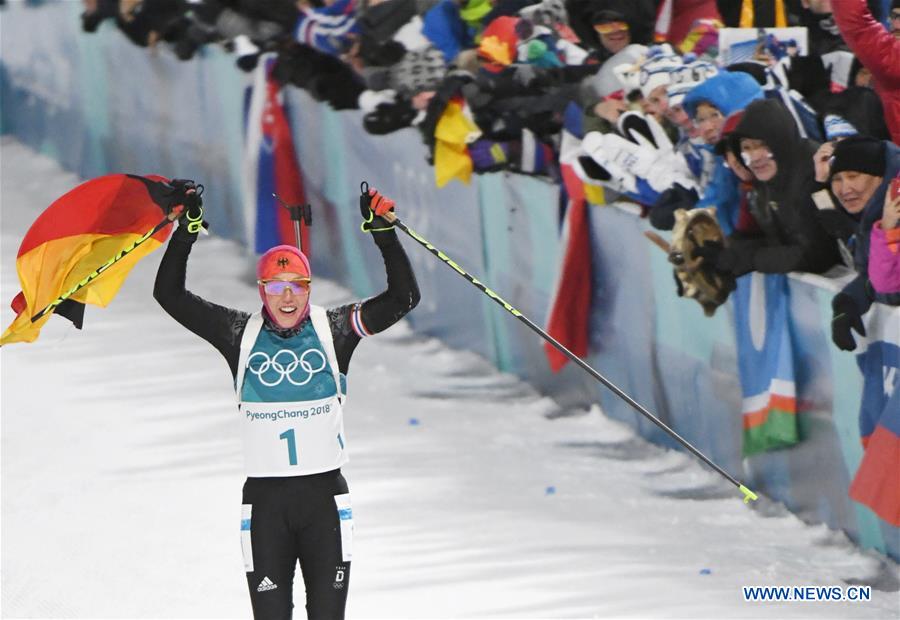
270	165
876	483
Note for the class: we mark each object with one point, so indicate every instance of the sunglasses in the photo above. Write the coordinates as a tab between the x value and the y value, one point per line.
610	27
277	287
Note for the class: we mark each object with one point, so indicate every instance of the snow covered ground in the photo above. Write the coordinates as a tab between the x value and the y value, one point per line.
121	479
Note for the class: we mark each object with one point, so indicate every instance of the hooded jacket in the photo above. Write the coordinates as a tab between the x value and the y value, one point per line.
791	238
728	91
878	50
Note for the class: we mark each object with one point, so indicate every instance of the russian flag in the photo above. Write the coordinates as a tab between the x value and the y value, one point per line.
765	362
877	481
270	165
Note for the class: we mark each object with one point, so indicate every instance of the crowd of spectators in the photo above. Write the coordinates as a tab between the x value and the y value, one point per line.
796	151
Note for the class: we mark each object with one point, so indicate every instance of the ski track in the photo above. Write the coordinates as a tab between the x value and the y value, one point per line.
121	478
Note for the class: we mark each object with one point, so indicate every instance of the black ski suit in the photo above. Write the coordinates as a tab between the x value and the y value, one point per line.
293	517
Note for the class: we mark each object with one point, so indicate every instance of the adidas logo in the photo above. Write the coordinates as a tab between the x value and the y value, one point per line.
266	584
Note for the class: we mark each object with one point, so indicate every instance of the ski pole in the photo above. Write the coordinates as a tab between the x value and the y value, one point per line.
393	219
115	259
298	213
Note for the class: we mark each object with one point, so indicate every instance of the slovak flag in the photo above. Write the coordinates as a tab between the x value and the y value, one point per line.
270	165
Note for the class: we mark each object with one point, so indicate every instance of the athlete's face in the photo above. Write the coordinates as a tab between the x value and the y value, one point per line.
287	304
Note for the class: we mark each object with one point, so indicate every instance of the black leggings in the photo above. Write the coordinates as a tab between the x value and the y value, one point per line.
290	519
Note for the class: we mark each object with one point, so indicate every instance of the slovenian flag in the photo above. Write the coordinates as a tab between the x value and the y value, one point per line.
765	363
877	481
270	165
81	231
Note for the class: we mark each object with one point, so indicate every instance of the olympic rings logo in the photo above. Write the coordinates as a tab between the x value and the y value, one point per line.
286	371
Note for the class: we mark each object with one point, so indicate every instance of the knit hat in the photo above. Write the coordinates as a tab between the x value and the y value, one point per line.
859	154
278	260
660	64
685	78
837	127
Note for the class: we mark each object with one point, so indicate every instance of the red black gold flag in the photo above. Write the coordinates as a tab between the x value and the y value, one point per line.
79	232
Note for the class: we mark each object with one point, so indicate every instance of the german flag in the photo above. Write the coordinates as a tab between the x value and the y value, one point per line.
78	234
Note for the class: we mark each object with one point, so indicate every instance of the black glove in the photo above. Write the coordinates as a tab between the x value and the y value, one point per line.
372	206
171	194
389	117
846	316
721	258
192	216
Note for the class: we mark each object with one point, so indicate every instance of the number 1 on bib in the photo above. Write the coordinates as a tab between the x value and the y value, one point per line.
292	445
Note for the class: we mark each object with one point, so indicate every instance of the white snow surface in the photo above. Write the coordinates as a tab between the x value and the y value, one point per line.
122	474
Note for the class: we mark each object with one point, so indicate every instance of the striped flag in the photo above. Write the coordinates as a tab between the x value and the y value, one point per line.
765	363
270	165
570	310
81	231
877	480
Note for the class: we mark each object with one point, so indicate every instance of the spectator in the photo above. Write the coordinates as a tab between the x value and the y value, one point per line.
884	251
709	104
860	170
655	78
790	237
610	26
878	50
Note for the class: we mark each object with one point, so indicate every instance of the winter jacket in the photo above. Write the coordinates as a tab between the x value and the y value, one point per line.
884	260
790	238
878	50
860	289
